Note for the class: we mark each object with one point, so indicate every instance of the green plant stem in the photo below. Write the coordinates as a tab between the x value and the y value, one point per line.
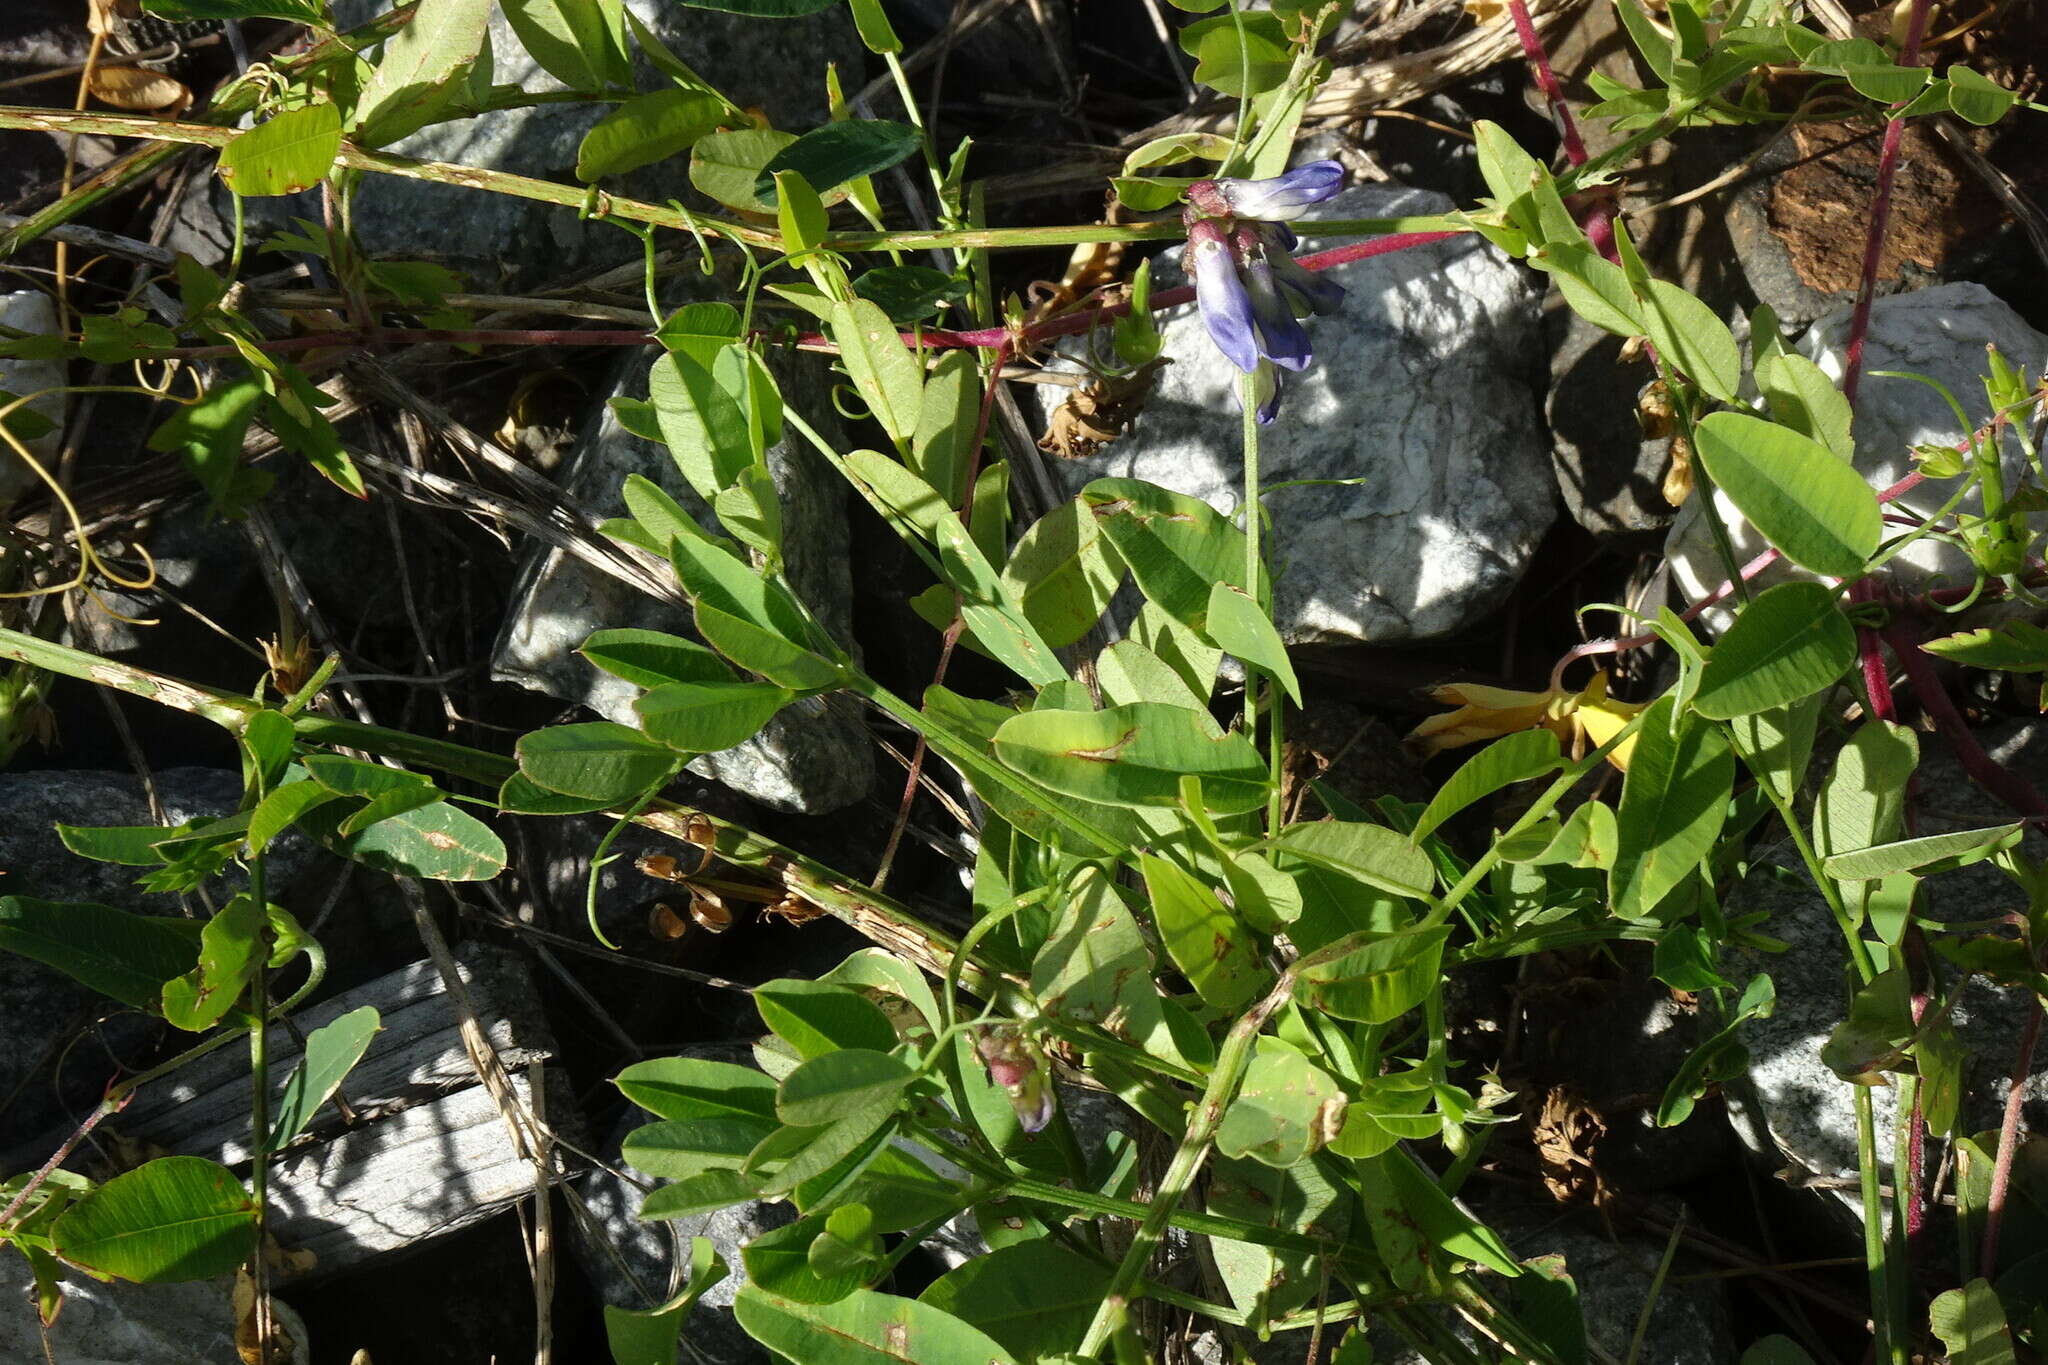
1006	1185
1254	577
1483	866
602	205
1231	1061
885	921
1888	1347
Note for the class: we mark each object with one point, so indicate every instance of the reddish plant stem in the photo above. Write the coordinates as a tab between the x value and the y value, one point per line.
1599	219
1986	771
2008	1142
1880	213
1913	1179
78	1135
1877	676
954	628
1592	648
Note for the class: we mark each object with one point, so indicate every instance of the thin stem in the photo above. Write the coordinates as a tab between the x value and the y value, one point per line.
2009	1140
1987	772
1889	1348
1231	1061
1254	576
1880	213
599	204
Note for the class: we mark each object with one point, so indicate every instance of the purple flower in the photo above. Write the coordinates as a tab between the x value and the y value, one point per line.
1280	197
1220	293
1282	339
1251	290
1306	290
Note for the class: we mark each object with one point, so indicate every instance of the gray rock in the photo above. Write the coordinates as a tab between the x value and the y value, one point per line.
1422	387
814	756
1804	1107
43	1077
1939	332
130	1324
777	66
30	311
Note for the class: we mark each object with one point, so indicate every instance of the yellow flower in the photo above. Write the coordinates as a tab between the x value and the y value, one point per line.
1581	720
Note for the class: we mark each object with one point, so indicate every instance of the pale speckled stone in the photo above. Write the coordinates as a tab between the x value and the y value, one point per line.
1424	386
1807	1110
814	756
1939	332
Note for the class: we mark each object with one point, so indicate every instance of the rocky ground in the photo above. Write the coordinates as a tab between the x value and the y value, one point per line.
1499	474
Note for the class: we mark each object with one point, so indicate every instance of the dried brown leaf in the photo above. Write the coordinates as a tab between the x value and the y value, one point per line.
139	90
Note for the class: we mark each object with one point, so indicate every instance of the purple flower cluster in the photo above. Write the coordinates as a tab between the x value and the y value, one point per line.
1250	289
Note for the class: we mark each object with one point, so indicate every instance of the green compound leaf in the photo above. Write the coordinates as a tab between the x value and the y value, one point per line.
1381	977
1035	1298
725	166
681	1149
1971	1322
763	9
649	1336
1803	498
1927	855
1094	965
649	658
1237	626
1063	571
815	1017
285	154
2014	647
706	718
332	1050
176	1218
228	946
1978	99
434	841
838	1084
1791	642
1373	854
1688	334
1511	759
680	1088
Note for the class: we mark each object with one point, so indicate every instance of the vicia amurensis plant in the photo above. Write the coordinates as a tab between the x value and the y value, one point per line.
1260	983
